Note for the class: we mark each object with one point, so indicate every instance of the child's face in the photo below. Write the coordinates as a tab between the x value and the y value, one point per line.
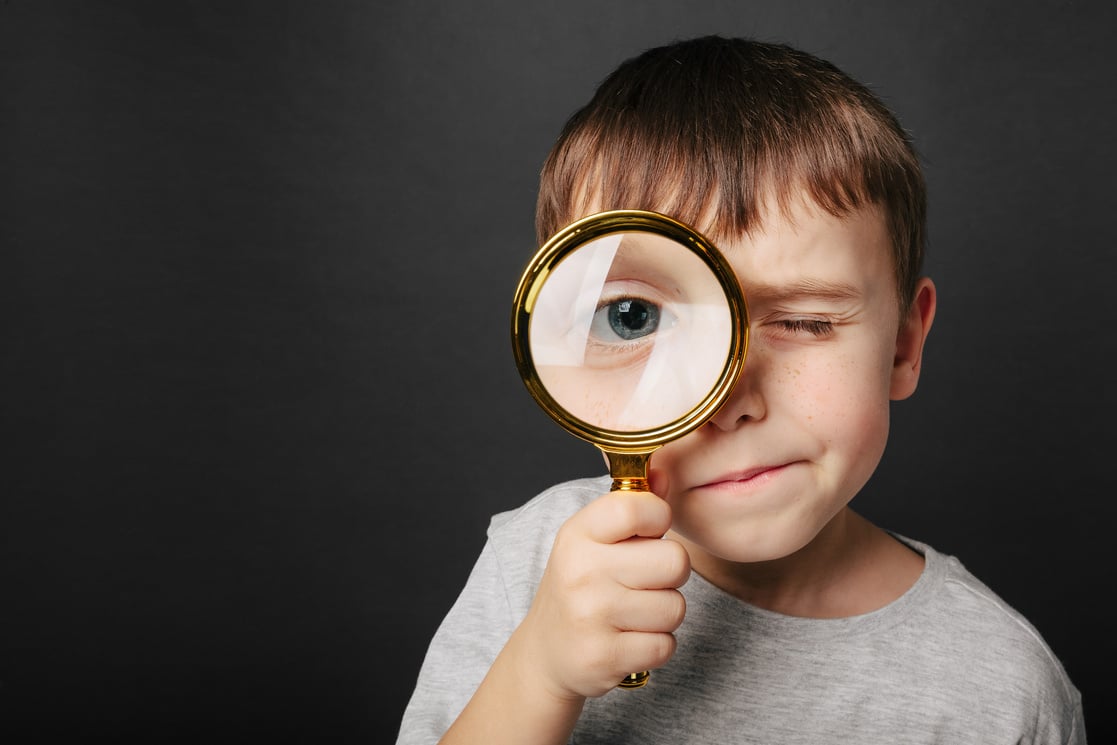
808	420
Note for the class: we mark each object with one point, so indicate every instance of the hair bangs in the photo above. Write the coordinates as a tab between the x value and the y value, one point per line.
720	134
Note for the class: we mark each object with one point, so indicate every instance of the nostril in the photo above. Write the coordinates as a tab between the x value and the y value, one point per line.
727	423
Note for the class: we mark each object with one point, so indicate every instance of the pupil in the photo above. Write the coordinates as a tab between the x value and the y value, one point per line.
631	319
632	314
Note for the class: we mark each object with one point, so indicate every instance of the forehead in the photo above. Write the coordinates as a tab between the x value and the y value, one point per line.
811	251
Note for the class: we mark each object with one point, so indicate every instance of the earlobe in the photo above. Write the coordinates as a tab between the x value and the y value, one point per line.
910	340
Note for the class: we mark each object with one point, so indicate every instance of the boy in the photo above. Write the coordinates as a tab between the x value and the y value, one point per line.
768	610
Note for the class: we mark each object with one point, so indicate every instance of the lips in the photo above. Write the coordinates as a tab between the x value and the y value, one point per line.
743	478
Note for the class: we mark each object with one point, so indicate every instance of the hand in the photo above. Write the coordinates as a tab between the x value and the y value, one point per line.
608	600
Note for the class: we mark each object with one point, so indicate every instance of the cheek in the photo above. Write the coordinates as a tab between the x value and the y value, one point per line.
845	404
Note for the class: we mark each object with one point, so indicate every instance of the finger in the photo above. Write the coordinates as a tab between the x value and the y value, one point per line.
642	650
617	516
649	610
649	563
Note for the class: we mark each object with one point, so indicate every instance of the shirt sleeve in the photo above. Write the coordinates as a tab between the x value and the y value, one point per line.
460	653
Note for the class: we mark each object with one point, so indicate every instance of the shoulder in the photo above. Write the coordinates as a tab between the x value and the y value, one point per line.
547	511
1000	647
965	597
520	539
494	600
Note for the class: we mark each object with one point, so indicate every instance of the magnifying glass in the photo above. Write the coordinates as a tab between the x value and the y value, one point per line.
629	329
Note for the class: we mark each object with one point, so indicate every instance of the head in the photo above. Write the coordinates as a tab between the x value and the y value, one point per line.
812	190
720	133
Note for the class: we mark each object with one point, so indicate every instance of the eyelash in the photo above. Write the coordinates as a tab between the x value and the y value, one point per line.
812	326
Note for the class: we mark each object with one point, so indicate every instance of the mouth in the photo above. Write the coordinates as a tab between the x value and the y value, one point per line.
752	477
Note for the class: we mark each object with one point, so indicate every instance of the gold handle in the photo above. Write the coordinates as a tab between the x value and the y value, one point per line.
635	680
630	473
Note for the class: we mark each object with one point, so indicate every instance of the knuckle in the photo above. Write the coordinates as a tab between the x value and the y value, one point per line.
656	512
570	532
573	563
637	511
641	651
675	610
675	562
624	510
661	647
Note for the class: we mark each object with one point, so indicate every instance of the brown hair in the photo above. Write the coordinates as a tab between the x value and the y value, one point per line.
709	128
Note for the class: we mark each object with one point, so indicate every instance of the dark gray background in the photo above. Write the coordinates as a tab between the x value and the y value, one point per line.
258	399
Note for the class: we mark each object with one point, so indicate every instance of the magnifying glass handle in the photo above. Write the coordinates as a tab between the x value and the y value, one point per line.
630	473
629	470
635	680
629	483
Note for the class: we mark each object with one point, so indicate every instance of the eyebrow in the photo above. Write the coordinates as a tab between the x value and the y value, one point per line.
806	289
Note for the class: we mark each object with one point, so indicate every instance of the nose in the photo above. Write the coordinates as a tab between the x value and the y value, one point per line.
746	400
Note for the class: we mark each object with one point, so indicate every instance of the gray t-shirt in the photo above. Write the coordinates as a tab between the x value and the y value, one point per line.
947	662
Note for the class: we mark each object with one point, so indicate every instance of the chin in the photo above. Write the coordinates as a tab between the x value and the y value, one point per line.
757	554
749	546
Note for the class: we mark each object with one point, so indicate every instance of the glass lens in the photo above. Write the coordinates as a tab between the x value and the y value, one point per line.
630	331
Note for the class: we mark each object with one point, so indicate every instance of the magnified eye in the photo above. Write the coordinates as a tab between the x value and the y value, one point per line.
626	319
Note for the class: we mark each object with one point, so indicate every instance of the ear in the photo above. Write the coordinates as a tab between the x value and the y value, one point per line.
910	339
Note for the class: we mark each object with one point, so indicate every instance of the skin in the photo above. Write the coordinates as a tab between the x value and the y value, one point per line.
756	500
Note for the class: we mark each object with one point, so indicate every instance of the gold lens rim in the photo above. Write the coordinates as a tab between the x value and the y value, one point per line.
591	228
